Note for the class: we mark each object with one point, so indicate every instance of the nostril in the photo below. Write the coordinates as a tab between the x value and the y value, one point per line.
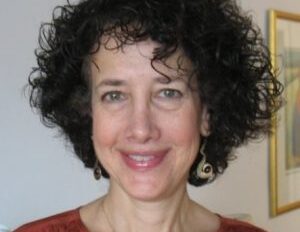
142	127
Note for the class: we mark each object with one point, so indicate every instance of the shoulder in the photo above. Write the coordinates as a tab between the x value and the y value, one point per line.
232	225
66	221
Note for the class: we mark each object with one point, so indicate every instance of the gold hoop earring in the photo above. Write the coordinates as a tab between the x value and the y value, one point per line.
97	170
204	169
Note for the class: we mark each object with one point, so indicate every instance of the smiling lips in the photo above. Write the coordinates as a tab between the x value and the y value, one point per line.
143	161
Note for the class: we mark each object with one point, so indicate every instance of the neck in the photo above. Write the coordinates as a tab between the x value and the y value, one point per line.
127	214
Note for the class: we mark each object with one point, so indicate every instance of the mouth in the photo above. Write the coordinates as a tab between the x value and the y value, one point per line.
143	161
141	158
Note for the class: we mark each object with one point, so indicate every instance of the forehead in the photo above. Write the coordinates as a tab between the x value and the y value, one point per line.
116	55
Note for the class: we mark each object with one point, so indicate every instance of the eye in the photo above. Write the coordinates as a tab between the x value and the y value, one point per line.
170	93
113	96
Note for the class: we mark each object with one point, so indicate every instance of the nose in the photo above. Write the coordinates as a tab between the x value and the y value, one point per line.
142	124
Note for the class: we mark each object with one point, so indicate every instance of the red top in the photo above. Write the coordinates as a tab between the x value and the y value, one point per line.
70	221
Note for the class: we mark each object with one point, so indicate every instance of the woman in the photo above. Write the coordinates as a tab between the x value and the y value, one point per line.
152	95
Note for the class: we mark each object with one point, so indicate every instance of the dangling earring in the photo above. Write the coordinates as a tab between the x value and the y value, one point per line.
204	169
97	170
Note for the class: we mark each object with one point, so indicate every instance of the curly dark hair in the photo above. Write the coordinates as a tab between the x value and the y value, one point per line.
230	61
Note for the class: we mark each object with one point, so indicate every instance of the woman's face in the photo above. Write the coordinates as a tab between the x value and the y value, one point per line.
146	129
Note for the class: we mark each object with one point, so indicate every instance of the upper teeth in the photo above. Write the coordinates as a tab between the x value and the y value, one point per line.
141	158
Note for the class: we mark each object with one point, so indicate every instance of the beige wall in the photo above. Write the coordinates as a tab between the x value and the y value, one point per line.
39	176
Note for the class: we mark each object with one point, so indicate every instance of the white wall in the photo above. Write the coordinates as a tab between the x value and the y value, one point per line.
40	176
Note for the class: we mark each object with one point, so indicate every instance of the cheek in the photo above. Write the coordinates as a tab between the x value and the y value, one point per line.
104	130
184	135
184	128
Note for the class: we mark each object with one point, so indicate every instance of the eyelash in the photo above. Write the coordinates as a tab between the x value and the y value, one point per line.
118	96
112	96
174	93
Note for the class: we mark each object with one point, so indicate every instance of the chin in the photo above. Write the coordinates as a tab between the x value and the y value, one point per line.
146	195
150	189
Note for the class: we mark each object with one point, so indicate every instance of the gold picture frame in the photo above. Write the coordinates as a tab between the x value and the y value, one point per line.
284	42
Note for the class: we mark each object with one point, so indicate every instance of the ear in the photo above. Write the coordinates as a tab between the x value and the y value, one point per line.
204	122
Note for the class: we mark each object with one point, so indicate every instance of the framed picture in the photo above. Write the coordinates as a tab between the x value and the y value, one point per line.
284	36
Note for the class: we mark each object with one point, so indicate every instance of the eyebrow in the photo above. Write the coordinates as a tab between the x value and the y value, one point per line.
111	82
118	82
168	80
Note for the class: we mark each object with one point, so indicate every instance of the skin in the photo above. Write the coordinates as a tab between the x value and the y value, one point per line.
135	110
